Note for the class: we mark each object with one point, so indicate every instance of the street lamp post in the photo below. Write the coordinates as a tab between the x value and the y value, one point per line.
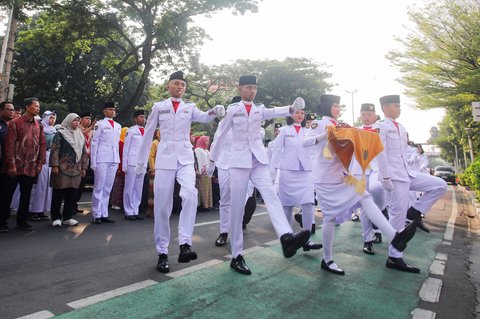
468	130
353	107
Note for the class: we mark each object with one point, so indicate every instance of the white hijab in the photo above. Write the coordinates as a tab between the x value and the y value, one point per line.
74	137
47	129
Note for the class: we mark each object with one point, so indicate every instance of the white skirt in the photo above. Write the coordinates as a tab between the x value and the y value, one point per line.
337	200
295	187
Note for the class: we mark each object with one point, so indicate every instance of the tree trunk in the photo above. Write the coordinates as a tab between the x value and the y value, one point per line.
9	55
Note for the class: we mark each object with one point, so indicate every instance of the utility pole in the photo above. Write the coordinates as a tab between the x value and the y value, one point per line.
353	107
6	58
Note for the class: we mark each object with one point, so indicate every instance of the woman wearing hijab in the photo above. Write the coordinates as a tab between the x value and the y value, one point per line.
204	182
334	195
41	196
69	162
294	162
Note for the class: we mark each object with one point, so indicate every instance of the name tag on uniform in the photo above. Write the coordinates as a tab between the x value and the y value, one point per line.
289	135
238	115
392	131
165	111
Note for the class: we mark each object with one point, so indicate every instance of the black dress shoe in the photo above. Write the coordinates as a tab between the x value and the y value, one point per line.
221	240
162	265
402	238
298	219
238	264
138	217
186	254
78	211
312	246
399	264
107	220
355	218
97	221
416	215
292	242
368	248
377	238
326	266
24	226
130	217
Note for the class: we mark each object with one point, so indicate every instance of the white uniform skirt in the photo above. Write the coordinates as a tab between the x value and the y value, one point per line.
295	187
336	200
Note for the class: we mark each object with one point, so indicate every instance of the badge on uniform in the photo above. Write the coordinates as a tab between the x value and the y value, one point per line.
314	125
95	128
165	111
238	114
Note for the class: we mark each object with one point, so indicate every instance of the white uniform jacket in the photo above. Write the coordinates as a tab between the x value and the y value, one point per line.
174	127
247	133
392	162
224	157
105	143
131	147
326	170
289	152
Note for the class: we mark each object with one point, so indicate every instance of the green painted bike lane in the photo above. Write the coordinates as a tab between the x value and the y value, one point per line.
286	288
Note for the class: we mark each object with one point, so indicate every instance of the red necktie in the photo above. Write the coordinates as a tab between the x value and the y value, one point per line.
175	105
111	123
396	124
248	107
142	130
297	128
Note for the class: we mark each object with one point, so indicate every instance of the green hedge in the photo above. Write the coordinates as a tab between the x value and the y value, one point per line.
471	177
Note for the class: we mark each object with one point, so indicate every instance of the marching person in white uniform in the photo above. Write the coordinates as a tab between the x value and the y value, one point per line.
174	160
248	160
295	172
398	179
104	159
132	192
374	187
335	196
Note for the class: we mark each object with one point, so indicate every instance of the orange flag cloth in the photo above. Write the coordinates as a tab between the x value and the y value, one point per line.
347	142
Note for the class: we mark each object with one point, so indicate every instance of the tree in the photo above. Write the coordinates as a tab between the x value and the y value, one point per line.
441	66
147	34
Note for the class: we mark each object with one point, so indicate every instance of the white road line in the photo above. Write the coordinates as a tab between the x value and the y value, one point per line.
437	268
444	242
44	314
110	294
423	314
431	290
247	251
218	221
441	256
451	221
194	268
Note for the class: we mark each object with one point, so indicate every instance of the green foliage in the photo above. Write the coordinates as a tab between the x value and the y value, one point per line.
471	177
440	63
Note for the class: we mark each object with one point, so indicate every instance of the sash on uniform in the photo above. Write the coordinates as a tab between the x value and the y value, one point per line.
349	142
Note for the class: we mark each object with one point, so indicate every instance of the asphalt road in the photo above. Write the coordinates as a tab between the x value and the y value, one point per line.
49	268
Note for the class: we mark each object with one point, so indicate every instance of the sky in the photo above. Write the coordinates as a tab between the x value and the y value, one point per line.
352	37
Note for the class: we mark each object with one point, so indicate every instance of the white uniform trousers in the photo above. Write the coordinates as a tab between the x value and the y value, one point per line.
433	188
132	192
260	177
163	203
41	197
102	186
225	205
374	187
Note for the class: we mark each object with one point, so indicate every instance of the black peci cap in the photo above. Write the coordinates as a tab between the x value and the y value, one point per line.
138	112
367	107
247	79
178	75
389	99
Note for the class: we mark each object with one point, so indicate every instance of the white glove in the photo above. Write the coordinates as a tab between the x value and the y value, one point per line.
140	169
298	104
210	168
387	184
219	110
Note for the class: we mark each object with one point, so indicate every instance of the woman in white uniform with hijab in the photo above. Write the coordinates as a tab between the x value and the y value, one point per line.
294	163
335	196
